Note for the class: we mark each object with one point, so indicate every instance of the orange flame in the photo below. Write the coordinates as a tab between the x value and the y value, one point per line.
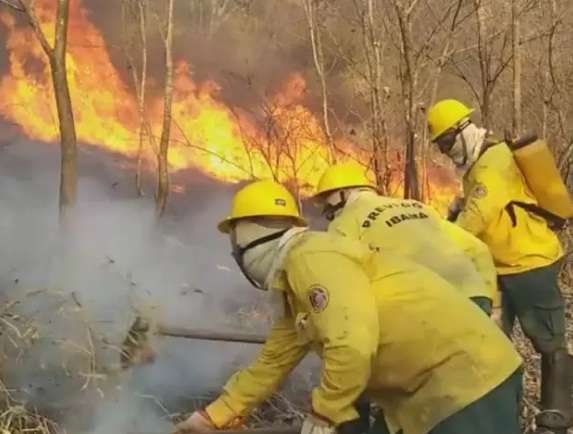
104	110
224	143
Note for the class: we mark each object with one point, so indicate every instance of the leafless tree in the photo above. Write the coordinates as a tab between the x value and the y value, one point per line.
314	27
448	49
408	78
492	53
135	27
57	59
209	15
283	145
516	54
162	158
416	52
372	46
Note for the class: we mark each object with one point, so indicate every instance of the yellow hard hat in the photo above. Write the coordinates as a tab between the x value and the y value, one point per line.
343	175
446	114
261	199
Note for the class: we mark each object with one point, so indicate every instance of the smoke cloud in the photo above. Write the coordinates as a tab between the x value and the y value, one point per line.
77	292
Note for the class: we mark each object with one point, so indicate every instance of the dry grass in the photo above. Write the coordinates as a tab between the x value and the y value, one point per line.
279	410
15	418
21	331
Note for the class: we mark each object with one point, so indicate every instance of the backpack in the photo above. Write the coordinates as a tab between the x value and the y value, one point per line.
537	165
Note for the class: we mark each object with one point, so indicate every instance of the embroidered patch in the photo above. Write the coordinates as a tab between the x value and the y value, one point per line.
318	298
480	191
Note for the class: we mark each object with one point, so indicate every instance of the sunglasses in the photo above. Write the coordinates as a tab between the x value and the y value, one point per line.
446	141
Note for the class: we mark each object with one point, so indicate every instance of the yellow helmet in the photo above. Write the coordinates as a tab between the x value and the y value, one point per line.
261	199
343	175
446	114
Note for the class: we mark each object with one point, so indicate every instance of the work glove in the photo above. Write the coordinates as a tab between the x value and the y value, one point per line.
198	422
455	208
314	424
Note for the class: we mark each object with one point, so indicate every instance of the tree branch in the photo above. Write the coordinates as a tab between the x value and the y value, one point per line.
17	7
33	20
411	8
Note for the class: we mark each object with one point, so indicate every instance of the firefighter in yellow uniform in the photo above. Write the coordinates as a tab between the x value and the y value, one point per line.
525	250
354	208
381	324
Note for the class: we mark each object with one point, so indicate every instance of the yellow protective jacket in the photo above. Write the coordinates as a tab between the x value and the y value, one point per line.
490	185
418	232
382	325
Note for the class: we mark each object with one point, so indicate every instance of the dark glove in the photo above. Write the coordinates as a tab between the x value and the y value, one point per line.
455	208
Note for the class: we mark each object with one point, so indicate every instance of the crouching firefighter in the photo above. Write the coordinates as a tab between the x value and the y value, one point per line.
512	195
354	208
382	325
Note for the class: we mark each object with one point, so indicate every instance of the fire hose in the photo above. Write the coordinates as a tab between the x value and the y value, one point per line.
136	342
208	335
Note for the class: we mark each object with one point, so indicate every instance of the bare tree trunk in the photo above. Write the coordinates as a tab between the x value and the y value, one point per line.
516	49
379	133
134	13
546	98
445	54
425	181
483	56
548	72
162	158
408	82
68	174
318	56
66	124
142	6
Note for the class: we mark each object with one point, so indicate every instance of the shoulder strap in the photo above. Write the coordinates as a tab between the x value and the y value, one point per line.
521	142
555	222
489	143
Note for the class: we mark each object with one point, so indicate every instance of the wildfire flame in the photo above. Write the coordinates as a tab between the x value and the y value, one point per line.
225	143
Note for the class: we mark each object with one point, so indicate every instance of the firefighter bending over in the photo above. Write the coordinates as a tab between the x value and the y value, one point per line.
382	325
415	230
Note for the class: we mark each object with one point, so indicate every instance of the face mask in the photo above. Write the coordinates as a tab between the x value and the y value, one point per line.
459	152
334	202
468	146
239	253
453	144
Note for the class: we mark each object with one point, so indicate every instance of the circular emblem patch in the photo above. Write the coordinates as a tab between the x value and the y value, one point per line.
480	191
318	298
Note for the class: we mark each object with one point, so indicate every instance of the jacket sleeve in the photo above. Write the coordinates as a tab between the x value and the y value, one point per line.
252	385
485	200
480	255
343	313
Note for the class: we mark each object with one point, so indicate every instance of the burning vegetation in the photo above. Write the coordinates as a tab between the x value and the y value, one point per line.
280	137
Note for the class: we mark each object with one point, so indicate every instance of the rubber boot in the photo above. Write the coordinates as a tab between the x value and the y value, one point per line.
556	393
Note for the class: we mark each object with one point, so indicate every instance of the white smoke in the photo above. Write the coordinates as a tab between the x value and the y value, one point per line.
80	291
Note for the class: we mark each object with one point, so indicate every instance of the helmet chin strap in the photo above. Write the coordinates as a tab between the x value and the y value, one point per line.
329	211
238	254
